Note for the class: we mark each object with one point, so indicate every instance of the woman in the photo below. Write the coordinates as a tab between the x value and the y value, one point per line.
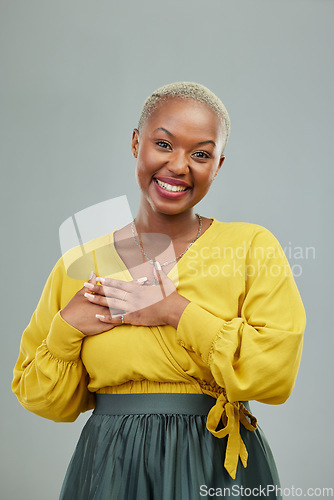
183	321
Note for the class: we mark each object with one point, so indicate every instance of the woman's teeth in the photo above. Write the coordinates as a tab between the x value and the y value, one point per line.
169	187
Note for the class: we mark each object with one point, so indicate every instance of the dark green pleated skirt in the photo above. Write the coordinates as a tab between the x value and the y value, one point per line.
157	447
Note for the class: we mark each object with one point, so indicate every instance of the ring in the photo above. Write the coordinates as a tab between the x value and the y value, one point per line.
122	318
124	296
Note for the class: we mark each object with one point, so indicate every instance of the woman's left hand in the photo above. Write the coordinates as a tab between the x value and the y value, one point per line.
142	304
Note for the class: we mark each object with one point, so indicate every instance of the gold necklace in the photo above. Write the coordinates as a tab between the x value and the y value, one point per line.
154	262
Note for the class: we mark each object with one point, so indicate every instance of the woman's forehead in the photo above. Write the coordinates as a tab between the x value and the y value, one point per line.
178	113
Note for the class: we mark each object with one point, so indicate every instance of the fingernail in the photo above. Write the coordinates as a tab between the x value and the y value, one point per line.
101	280
91	275
89	285
89	295
99	316
142	280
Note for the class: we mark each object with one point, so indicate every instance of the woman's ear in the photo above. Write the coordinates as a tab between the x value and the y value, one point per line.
135	142
221	161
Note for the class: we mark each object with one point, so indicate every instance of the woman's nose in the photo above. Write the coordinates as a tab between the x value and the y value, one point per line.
178	163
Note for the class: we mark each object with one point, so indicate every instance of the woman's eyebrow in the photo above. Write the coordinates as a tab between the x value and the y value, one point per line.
171	135
165	130
206	142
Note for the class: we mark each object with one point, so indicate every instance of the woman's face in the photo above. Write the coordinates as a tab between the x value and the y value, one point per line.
179	145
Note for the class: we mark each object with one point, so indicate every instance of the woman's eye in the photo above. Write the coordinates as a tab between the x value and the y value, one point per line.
163	144
201	154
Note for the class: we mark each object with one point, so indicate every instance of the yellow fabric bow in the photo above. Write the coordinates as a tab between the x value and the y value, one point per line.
231	415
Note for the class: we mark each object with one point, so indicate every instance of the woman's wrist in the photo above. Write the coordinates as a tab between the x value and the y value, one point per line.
176	304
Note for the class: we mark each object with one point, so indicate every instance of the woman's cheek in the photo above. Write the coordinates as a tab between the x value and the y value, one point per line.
136	175
152	160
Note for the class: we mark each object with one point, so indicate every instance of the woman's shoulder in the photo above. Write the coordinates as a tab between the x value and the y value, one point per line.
245	238
78	261
242	230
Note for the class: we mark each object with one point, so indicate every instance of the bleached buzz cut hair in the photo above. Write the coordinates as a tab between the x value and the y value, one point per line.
185	90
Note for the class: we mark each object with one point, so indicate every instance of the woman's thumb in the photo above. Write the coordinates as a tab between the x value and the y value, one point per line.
159	277
92	277
166	284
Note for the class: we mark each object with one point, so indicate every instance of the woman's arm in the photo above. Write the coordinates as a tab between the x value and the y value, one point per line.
254	356
49	376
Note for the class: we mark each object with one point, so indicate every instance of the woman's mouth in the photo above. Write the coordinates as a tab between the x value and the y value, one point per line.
170	191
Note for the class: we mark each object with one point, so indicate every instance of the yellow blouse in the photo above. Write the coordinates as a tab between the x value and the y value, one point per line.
239	339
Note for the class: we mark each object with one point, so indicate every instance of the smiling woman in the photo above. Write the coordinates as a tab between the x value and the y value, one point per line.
180	144
168	354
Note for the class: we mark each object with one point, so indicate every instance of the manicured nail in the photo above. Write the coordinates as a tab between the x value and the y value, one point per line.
89	285
142	280
91	275
101	280
99	316
89	295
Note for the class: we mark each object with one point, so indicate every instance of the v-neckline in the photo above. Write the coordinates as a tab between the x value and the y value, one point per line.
126	271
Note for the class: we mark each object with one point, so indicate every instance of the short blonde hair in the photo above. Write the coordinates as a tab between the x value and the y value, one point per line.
185	90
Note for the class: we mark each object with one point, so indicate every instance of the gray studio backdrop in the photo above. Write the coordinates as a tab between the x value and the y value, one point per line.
74	75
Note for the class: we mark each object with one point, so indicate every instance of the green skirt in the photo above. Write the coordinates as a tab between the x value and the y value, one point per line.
157	447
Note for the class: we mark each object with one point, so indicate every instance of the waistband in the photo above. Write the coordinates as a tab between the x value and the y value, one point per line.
154	403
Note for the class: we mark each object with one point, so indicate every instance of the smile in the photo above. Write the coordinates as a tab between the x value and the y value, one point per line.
171	192
169	187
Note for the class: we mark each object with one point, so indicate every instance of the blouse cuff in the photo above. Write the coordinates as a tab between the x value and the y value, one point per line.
197	330
63	340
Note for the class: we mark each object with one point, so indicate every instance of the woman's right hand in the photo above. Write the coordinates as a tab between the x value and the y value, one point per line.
80	313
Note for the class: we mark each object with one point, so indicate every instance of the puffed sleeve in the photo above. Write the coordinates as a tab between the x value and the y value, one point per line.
256	355
49	376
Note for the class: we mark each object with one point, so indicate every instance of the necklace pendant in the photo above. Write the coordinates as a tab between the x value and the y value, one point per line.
157	265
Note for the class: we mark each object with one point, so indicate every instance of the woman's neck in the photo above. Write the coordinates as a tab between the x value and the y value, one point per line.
177	226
